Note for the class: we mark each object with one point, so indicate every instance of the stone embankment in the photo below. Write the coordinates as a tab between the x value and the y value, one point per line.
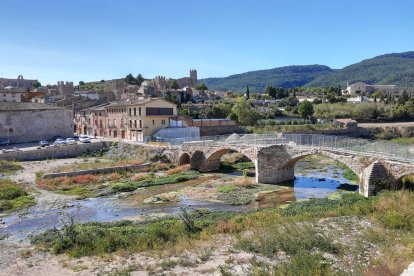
54	152
97	171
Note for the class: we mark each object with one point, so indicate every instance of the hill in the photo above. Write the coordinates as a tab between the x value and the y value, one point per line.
397	68
289	76
386	69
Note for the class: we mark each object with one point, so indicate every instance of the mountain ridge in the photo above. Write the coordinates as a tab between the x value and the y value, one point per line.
392	68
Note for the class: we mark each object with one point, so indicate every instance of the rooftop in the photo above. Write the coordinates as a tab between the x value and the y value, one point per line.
12	106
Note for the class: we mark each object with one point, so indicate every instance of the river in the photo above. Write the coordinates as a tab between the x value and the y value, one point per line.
309	183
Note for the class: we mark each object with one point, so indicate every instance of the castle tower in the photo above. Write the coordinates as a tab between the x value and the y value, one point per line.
193	77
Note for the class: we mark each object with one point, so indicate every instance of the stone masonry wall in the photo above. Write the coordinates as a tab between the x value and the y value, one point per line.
37	125
53	152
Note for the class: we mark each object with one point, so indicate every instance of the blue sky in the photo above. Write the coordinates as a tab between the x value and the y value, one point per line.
90	40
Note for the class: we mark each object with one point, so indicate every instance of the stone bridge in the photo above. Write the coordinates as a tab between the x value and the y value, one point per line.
275	163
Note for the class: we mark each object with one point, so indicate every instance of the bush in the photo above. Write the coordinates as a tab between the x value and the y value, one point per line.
13	197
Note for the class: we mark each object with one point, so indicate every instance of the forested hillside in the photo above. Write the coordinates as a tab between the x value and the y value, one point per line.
386	69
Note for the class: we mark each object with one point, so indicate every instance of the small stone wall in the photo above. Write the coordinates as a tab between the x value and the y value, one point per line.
97	171
54	152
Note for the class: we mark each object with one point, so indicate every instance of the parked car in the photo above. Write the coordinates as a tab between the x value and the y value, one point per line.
4	141
70	141
60	142
84	139
56	137
44	143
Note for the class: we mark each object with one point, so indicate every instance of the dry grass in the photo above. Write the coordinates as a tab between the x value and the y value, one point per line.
114	176
245	182
65	182
179	169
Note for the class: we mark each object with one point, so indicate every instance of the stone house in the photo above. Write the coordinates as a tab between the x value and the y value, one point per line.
32	122
126	120
12	95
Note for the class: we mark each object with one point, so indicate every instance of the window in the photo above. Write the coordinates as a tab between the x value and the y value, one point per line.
139	111
10	130
163	122
135	111
130	111
130	123
114	122
159	111
140	123
153	122
135	123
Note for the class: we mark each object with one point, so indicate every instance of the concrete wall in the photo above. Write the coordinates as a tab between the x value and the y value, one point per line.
34	125
97	171
219	130
54	152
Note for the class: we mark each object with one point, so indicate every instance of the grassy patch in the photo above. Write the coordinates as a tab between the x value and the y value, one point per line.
13	197
129	186
99	238
9	167
348	173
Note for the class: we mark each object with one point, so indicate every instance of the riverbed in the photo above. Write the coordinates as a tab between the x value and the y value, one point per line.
321	181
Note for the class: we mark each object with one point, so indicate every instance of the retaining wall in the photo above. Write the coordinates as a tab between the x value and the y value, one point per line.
54	152
97	171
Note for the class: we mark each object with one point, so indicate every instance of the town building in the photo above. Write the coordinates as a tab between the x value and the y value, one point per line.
12	94
20	82
32	122
363	88
135	120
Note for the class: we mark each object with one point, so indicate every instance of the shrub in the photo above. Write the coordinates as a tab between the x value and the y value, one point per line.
290	237
13	197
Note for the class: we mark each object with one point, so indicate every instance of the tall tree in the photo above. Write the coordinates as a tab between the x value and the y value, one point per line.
247	93
139	79
174	84
129	79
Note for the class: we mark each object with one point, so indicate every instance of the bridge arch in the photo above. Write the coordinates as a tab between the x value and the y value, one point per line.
184	158
212	158
354	166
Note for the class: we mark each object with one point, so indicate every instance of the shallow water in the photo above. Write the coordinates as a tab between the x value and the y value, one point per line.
103	209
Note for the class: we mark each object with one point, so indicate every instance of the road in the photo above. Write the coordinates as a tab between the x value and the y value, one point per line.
394	124
34	145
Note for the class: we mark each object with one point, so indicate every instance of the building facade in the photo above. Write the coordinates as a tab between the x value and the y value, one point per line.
126	120
20	82
32	122
362	88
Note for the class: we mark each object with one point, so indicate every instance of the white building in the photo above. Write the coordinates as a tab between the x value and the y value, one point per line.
364	88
